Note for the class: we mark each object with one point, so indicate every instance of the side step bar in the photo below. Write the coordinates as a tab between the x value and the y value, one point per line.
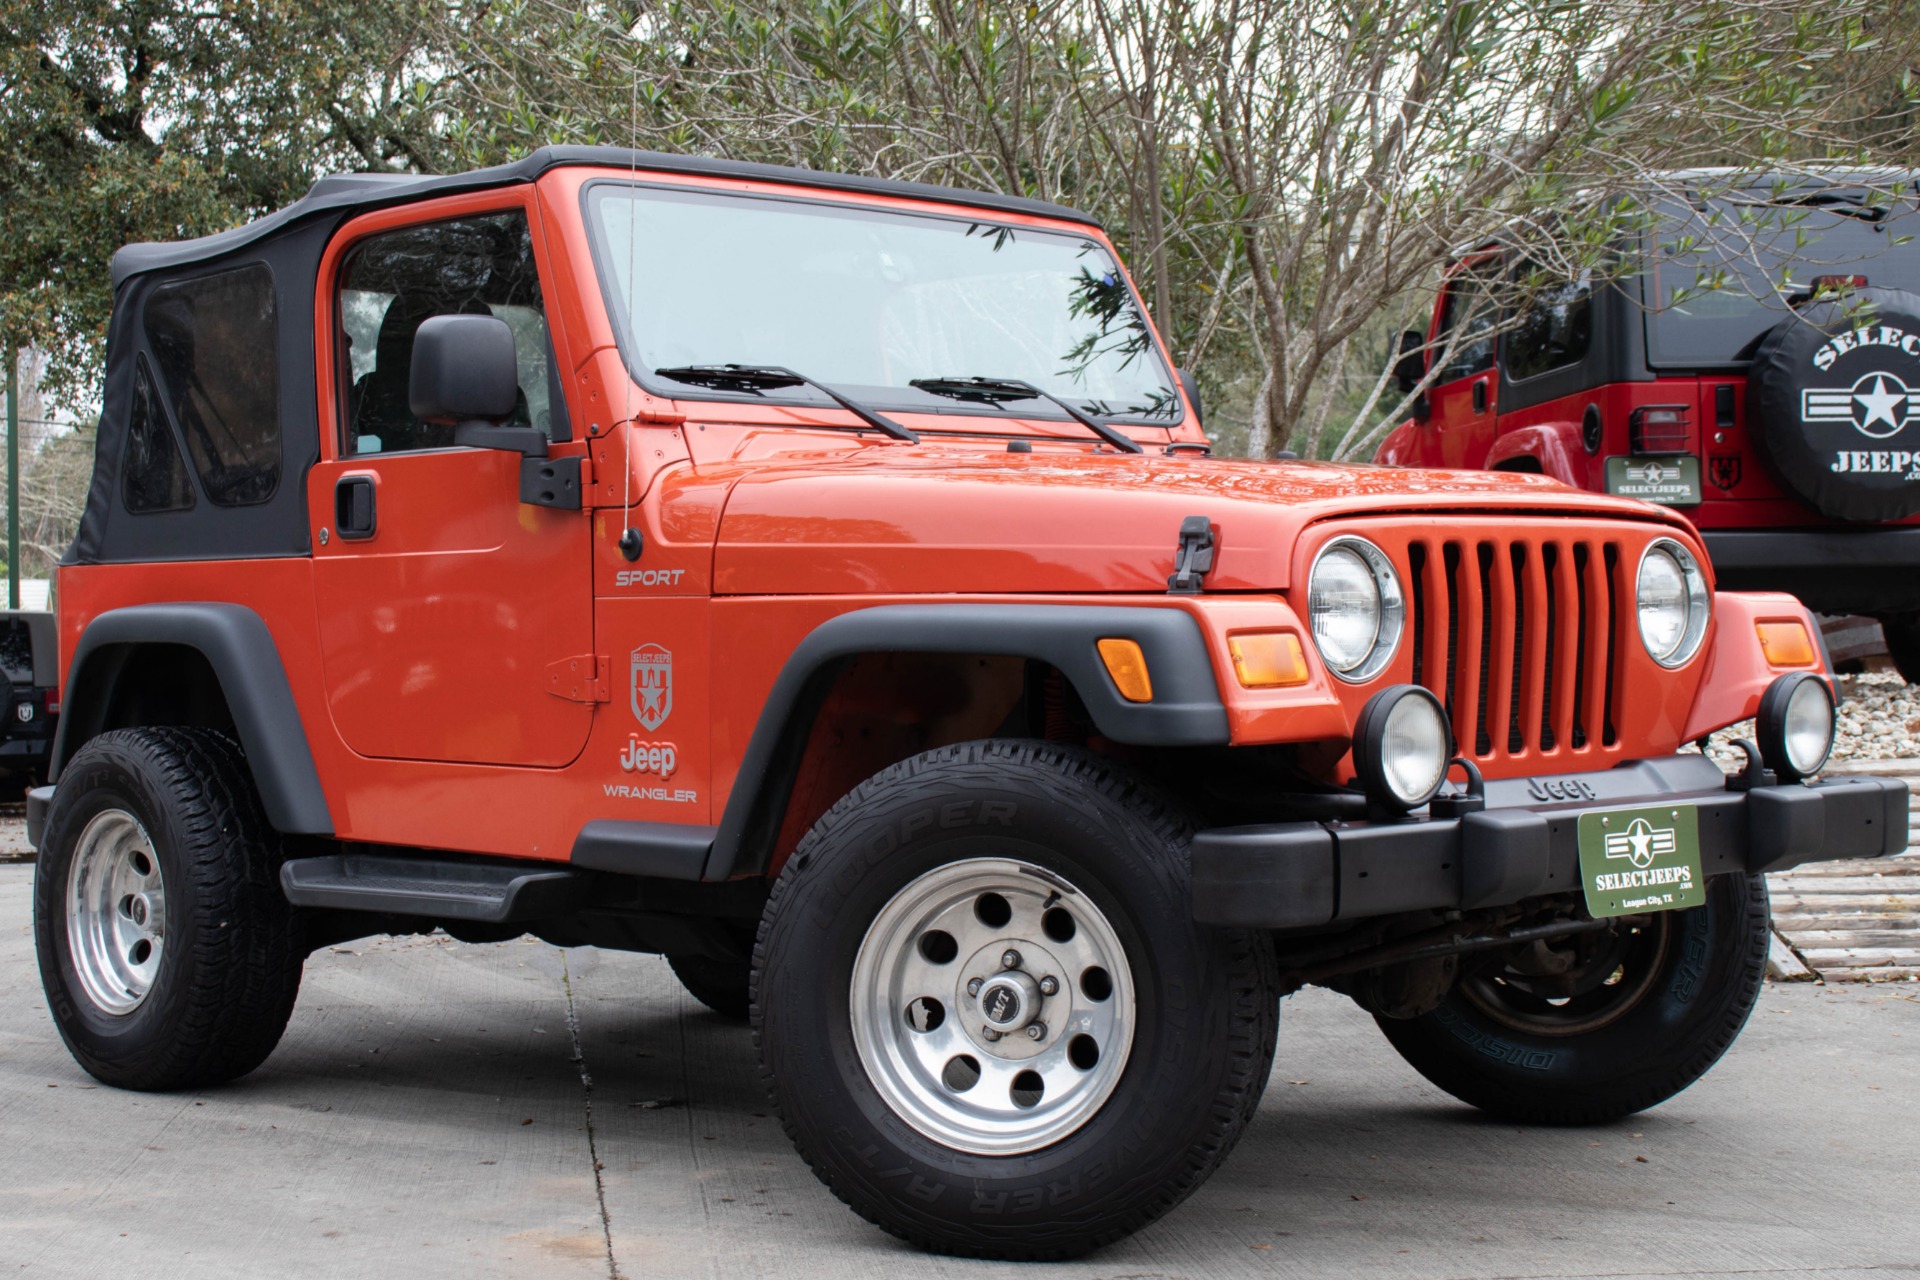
440	888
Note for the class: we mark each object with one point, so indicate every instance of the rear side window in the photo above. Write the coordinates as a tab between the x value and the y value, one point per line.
1554	332
214	339
152	477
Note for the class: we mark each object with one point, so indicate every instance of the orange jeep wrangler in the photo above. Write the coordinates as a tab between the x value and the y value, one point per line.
822	581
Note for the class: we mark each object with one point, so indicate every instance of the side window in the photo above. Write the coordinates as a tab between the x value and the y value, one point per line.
1473	315
390	283
214	340
1554	332
152	477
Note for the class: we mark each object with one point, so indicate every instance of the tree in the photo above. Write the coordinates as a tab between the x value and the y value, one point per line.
159	119
1286	177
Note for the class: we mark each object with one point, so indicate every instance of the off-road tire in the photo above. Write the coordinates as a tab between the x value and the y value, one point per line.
1903	645
229	971
1205	1004
1699	997
722	986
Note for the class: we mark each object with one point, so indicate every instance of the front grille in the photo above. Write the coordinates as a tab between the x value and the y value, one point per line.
1518	638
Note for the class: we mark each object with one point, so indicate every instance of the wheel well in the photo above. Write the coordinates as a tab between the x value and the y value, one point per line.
1530	466
149	684
881	708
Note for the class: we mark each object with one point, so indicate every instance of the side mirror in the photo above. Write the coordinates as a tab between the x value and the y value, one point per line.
465	372
1410	362
1192	388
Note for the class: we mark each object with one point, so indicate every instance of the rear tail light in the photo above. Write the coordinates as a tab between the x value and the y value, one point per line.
1659	428
1836	284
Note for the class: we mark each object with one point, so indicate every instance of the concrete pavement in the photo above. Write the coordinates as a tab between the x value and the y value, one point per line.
438	1109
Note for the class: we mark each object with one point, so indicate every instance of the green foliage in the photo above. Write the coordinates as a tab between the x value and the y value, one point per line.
1285	177
157	119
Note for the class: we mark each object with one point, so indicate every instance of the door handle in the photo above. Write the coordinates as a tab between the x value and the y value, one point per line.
1480	396
354	516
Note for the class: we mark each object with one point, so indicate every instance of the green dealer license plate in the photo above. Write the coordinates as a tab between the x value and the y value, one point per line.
1635	860
1673	481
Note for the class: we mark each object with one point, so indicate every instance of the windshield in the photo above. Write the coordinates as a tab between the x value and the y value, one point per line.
1722	275
866	301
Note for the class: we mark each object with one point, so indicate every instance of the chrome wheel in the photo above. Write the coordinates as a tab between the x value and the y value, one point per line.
116	911
992	1006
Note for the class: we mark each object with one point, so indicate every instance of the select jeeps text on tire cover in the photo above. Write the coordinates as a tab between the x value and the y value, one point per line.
820	581
1762	372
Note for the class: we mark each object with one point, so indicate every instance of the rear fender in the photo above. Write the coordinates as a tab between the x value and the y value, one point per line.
1554	446
240	651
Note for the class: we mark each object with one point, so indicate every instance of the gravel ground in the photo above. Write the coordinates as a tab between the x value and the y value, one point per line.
1879	720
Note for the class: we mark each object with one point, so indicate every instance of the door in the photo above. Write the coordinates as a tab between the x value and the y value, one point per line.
443	599
1461	400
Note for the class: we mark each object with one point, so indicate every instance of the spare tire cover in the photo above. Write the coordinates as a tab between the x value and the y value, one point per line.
1833	405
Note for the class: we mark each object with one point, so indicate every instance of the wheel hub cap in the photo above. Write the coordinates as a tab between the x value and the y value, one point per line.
992	1006
116	911
1010	1000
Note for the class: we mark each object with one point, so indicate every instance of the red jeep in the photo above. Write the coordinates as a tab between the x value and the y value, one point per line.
820	581
1762	373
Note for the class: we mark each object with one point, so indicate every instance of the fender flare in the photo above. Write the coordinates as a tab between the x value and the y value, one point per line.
1186	709
1400	448
237	645
1556	446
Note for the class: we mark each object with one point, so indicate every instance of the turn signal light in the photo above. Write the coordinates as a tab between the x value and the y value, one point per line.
1128	667
1785	644
1268	659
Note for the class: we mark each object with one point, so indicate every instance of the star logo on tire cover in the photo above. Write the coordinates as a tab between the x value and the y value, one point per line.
1878	405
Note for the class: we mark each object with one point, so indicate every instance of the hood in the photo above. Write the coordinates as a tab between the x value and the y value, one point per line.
886	520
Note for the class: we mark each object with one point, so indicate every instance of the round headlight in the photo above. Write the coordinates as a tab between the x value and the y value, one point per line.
1795	725
1401	745
1355	608
1671	597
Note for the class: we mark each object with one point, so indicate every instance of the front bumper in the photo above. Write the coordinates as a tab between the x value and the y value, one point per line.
1523	844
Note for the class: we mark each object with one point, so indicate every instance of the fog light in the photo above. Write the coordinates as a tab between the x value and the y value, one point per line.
1401	746
1795	725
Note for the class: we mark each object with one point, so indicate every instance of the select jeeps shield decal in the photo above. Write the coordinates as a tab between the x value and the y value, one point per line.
650	686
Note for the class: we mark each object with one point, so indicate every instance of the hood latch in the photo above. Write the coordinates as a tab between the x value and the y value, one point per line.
1193	559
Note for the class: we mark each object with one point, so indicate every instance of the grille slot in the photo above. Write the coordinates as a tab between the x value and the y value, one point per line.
1517	637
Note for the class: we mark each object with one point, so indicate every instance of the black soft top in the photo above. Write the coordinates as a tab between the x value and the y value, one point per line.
278	256
350	193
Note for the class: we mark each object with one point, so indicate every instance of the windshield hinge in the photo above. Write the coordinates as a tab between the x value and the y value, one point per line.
581	679
1193	559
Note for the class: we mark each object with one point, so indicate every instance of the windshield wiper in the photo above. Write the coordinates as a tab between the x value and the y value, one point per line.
767	377
994	390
